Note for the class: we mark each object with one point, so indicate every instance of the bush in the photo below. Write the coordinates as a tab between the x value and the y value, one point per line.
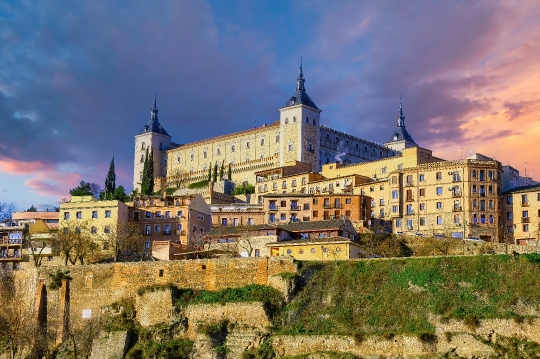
157	287
427	337
56	279
198	185
245	189
176	348
265	351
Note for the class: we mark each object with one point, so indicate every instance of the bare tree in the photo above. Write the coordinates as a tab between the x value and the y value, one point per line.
179	178
126	238
39	242
6	210
17	326
76	243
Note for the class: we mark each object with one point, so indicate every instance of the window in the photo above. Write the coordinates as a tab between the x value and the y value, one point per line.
372	189
409	224
178	159
77	230
79	215
157	228
439	220
438	176
509	199
66	230
348	201
94	214
490	219
439	191
474	203
524	199
66	215
422	177
315	214
381	201
107	214
395	209
525	228
107	229
473	174
93	230
381	188
147	230
383	170
422	192
395	194
410	209
422	206
483	205
398	222
482	175
283	217
456	218
192	156
290	147
482	218
158	214
422	221
381	213
167	214
475	219
439	205
219	150
247	144
525	214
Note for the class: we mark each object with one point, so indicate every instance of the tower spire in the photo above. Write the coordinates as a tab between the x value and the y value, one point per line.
400	117
300	79
154	110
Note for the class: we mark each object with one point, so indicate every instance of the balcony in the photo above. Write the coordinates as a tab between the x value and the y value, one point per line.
525	220
409	199
456	209
273	208
327	206
409	184
456	179
296	208
410	212
482	194
525	204
456	194
180	232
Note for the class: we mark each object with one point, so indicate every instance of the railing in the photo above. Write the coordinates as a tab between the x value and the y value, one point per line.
525	204
456	179
456	209
456	194
409	184
410	212
166	233
296	208
273	208
525	220
409	199
180	232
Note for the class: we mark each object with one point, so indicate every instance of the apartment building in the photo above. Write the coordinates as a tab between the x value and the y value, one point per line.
237	214
11	246
288	207
175	219
521	215
317	249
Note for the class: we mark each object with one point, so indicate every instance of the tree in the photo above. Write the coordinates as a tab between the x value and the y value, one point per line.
210	172
6	210
110	181
147	183
32	209
221	170
229	173
127	238
214	177
75	242
86	189
39	242
179	178
120	194
18	329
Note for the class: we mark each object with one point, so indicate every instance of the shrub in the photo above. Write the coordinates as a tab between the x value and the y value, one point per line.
176	348
471	321
245	189
265	351
427	337
157	287
198	185
56	279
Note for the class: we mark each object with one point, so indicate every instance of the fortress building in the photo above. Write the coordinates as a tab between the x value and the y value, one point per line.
297	136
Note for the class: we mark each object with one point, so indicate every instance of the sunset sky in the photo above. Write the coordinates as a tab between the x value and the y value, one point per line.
77	78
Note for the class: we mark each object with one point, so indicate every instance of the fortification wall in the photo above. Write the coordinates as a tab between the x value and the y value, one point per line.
94	286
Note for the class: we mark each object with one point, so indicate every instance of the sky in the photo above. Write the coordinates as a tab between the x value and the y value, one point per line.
77	78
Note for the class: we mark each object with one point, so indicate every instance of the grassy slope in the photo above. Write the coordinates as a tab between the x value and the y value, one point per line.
397	296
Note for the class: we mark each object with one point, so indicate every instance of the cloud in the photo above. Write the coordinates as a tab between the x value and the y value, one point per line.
516	110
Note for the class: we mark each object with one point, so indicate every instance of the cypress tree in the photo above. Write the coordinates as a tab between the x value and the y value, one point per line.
110	181
214	177
229	172
151	172
144	181
221	170
210	172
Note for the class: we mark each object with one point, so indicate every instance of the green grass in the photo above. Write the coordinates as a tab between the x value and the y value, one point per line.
200	184
167	349
397	296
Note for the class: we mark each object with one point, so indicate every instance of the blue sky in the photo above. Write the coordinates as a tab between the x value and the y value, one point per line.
77	78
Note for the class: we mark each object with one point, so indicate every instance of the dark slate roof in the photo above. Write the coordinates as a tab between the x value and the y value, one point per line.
401	132
236	230
313	226
524	189
310	240
300	96
153	124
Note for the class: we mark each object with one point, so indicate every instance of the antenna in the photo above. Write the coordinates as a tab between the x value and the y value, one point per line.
525	169
532	174
461	153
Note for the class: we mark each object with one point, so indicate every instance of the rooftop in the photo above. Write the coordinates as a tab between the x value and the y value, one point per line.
313	226
311	240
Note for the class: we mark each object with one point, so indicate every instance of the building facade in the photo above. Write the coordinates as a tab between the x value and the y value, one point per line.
297	136
521	215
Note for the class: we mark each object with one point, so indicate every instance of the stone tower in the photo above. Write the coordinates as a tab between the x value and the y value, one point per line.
152	136
401	138
299	127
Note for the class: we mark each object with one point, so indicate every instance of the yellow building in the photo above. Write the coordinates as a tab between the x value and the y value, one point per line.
97	218
521	215
316	249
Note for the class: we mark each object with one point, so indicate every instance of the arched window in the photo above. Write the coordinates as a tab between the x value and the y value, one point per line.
274	186
232	148
192	156
219	150
262	141
314	122
205	154
247	144
294	119
310	147
143	146
247	159
277	138
307	119
286	121
178	159
290	146
262	156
